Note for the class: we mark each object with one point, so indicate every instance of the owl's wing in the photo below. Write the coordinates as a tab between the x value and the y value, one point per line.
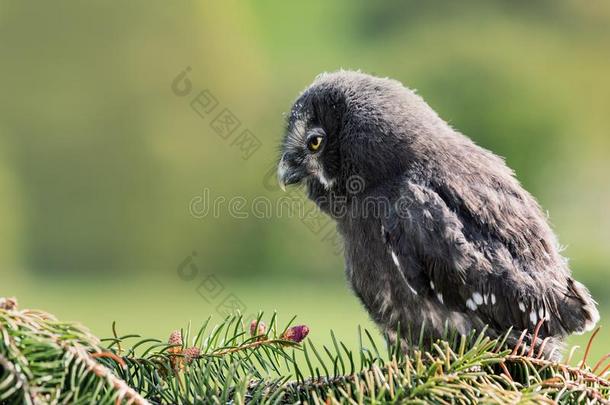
431	249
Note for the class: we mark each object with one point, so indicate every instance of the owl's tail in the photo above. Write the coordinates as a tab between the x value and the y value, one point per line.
577	309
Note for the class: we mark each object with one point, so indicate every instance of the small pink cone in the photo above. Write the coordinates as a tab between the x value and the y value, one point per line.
296	333
261	330
191	353
175	338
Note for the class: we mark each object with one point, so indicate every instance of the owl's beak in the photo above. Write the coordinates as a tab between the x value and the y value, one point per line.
289	173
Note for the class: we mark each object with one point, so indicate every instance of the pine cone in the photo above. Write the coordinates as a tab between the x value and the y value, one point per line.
257	328
191	354
175	339
296	333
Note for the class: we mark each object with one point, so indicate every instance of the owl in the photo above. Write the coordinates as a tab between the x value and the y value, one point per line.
438	233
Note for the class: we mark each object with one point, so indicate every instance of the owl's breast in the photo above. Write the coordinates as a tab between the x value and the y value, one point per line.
368	268
376	280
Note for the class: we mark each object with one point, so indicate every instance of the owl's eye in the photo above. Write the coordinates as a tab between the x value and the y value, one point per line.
314	142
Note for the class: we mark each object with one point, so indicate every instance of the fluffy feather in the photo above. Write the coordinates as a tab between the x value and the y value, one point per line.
451	236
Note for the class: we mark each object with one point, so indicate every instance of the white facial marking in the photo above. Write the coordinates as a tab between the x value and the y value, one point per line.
533	318
493	299
521	306
294	139
477	298
432	284
486	299
440	297
318	172
325	182
316	169
541	313
471	305
299	127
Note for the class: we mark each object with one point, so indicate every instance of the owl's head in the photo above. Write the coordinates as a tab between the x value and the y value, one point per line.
348	124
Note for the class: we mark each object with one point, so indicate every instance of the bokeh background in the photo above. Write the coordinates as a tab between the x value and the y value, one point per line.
101	157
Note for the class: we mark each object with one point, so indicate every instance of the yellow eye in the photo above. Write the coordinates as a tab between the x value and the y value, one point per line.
314	143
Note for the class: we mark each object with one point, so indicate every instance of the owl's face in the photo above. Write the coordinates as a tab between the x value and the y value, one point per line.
341	127
310	150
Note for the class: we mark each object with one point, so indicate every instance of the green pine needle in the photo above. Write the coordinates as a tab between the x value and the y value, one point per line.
43	360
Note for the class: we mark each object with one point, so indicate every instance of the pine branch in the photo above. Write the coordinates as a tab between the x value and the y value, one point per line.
124	391
43	360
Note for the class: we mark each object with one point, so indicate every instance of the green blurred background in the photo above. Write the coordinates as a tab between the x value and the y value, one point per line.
100	159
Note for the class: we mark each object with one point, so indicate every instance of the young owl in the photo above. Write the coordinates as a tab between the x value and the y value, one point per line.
437	230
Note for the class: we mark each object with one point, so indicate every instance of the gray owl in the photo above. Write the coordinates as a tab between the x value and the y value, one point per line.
437	231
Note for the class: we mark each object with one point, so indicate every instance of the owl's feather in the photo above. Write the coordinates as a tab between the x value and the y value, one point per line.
451	239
